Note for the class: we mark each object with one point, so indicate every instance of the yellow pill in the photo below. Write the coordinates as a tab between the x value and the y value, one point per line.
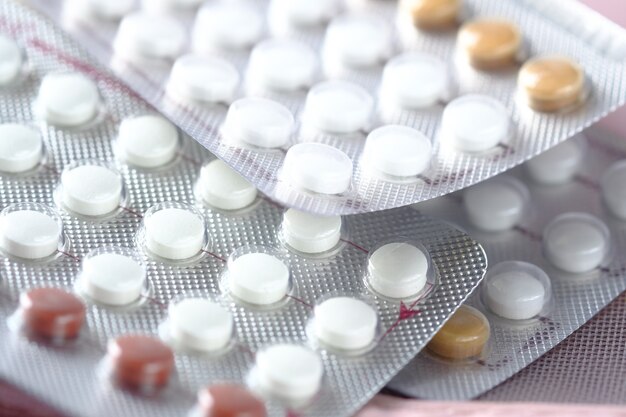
433	14
490	43
463	336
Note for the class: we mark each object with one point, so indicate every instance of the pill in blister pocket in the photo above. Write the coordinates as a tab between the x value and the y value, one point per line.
221	187
432	14
613	189
398	270
174	232
576	242
227	25
21	148
559	164
204	79
142	35
463	336
104	9
200	324
258	122
474	123
229	400
67	99
147	141
310	233
345	323
290	372
31	232
258	278
52	313
398	151
317	167
302	12
11	60
90	189
490	43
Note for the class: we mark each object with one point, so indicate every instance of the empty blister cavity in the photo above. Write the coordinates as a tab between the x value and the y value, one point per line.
397	151
463	336
258	122
147	141
67	99
229	400
613	189
287	14
338	107
204	79
497	204
30	230
99	9
318	168
475	123
222	187
558	165
489	43
576	242
432	14
21	148
516	290
11	60
309	233
144	36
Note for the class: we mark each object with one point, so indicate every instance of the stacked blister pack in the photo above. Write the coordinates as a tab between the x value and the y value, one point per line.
192	221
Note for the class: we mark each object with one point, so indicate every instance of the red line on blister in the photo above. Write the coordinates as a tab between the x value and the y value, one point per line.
155	301
528	233
359	247
214	255
189	159
69	255
50	169
131	211
587	182
300	300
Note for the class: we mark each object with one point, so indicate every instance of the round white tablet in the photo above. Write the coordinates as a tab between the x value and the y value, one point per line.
227	25
21	148
299	13
143	35
200	324
310	233
222	187
290	372
259	122
497	204
576	242
398	270
174	233
112	278
338	107
205	79
29	234
474	123
614	189
68	99
396	150
282	64
559	164
147	141
105	9
357	41
516	290
317	167
11	60
414	80
91	190
258	278
345	323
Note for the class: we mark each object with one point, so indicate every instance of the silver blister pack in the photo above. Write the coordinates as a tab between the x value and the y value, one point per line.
81	183
581	176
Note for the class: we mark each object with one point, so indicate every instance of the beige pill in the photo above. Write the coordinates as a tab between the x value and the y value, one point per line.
463	336
433	14
490	43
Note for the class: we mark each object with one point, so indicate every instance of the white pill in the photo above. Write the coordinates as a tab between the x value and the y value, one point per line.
105	9
258	278
576	242
91	190
301	12
474	123
398	151
147	141
345	323
259	122
559	164
227	25
68	99
317	167
174	233
310	233
169	5
205	79
142	35
11	60
357	41
338	107
414	80
497	204
290	372
398	270
222	187
516	290
112	278
200	324
21	148
282	65
29	234
613	189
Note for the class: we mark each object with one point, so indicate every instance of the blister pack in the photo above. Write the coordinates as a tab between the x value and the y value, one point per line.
137	270
341	107
555	236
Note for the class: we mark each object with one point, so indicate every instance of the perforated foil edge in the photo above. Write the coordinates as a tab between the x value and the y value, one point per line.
577	298
71	377
547	30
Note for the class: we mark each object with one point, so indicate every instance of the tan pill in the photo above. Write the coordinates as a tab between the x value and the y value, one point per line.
463	336
433	14
490	43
